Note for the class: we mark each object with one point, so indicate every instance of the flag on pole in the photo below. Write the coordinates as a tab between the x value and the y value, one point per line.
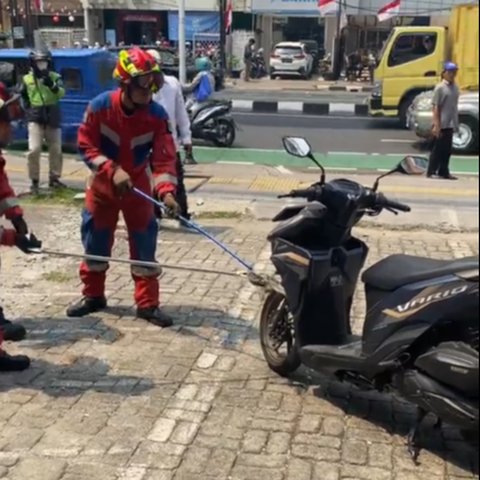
38	5
389	11
229	16
328	7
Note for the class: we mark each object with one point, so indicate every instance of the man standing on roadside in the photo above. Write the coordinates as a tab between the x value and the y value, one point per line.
170	97
445	123
42	90
248	58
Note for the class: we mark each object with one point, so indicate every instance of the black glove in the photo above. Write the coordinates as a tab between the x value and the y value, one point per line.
26	243
20	225
48	82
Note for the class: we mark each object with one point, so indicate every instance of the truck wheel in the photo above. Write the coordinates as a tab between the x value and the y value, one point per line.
277	335
466	140
403	110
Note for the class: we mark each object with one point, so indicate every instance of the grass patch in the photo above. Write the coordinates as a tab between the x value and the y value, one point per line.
57	277
220	215
61	196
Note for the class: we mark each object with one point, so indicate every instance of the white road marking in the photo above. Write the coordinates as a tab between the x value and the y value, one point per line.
242	104
330	117
284	170
347	153
290	107
342	108
226	162
395	140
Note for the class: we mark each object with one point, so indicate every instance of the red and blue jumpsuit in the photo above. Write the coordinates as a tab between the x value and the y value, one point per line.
142	145
9	209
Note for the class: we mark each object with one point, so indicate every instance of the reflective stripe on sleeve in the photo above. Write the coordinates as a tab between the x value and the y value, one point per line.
8	203
166	178
97	162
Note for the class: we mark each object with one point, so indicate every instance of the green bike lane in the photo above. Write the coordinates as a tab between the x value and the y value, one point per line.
331	160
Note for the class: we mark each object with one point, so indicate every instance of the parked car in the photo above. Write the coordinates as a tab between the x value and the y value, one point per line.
313	49
85	72
291	58
420	119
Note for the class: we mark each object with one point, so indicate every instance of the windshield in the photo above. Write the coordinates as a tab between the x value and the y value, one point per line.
385	44
288	51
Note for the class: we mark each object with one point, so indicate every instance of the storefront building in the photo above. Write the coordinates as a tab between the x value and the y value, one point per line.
146	21
294	20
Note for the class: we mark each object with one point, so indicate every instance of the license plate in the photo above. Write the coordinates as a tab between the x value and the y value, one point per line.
287	60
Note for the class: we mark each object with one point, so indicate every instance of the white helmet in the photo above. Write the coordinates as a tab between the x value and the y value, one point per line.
156	55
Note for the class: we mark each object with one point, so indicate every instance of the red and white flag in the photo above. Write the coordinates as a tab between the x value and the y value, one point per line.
328	7
229	16
38	5
389	11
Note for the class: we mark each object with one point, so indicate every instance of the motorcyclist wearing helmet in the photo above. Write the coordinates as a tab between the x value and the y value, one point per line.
42	91
125	140
203	85
170	96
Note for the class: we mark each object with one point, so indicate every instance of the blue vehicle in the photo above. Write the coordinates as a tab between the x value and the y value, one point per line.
85	72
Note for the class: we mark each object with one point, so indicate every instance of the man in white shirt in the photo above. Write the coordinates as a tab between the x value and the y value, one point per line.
170	96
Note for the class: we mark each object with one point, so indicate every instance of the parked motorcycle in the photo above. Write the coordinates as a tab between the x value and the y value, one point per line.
259	67
421	334
212	121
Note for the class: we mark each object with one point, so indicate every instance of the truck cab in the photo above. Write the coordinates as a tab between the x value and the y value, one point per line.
410	63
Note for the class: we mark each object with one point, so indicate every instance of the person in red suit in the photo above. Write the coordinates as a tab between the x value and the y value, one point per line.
126	141
18	236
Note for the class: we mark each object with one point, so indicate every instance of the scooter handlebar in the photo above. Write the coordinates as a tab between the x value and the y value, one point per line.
384	202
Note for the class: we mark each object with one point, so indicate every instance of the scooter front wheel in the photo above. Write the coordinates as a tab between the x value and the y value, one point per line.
277	335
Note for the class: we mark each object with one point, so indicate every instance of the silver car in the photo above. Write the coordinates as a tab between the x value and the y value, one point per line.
420	119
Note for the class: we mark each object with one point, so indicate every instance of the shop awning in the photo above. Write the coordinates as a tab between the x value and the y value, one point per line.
196	23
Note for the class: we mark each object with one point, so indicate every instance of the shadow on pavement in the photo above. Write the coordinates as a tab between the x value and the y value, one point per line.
55	332
397	417
68	380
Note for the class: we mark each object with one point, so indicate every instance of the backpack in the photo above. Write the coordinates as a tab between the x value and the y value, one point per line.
204	89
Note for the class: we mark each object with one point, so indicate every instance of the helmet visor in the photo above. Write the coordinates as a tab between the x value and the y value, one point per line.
144	81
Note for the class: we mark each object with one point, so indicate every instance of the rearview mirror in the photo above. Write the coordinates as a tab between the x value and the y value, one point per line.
413	165
297	146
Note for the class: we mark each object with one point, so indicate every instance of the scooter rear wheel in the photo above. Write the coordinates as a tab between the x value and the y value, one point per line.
226	133
277	331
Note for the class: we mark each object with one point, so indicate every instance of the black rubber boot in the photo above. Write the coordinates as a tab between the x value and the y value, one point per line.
13	363
12	332
35	187
86	306
55	182
155	316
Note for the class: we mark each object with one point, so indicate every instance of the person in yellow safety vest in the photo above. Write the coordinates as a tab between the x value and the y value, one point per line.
42	90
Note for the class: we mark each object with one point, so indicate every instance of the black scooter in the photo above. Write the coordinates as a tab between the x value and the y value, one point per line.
212	121
420	338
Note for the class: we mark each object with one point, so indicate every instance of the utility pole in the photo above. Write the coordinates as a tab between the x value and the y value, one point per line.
181	43
223	40
337	51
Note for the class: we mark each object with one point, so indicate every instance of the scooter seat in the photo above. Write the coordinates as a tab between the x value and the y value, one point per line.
397	271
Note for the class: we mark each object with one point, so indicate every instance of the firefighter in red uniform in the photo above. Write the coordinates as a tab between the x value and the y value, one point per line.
17	236
125	140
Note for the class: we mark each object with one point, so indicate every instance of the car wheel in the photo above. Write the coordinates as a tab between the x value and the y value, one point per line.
466	140
403	110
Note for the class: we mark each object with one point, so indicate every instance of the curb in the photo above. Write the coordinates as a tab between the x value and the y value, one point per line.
305	108
315	88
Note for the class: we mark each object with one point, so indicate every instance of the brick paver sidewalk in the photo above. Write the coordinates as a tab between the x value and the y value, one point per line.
109	397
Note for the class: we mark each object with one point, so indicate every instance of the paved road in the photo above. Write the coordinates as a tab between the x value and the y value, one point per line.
111	398
326	134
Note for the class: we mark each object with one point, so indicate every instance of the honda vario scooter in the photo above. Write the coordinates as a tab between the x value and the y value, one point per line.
420	337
